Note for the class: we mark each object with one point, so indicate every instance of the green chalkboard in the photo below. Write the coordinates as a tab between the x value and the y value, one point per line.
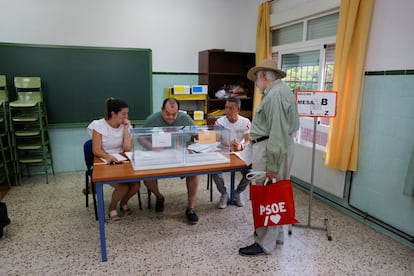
77	80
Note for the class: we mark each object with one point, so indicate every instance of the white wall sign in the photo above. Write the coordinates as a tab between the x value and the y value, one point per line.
316	103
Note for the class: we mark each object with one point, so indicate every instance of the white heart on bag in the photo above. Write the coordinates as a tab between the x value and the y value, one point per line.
275	218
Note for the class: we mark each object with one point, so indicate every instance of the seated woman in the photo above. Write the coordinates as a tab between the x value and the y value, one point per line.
112	135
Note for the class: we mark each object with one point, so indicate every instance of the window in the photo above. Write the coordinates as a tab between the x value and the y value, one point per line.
322	26
289	34
309	65
302	70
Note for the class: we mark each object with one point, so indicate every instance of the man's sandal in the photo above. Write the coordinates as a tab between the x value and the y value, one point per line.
113	215
125	209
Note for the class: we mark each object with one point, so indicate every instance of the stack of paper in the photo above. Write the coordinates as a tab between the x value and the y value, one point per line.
200	148
118	156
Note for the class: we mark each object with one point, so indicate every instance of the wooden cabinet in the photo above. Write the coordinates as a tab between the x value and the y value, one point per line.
222	70
190	103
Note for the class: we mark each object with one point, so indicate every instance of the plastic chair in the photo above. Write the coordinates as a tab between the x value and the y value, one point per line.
4	171
28	91
29	125
4	95
7	163
88	154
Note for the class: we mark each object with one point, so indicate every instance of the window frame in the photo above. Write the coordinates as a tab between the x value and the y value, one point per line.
303	46
308	122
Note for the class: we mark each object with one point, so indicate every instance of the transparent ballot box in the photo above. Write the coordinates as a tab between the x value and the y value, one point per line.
167	147
207	146
157	147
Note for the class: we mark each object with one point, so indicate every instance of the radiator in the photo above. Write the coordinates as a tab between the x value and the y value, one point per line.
326	179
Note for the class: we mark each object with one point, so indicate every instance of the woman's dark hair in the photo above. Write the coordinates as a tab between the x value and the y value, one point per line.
114	105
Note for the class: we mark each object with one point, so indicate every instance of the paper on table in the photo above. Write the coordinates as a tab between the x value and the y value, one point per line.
246	154
118	156
199	148
129	154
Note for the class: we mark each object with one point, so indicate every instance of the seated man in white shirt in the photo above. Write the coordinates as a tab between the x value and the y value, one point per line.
239	127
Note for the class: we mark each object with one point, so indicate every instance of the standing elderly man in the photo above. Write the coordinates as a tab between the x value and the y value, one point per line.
275	121
171	116
239	127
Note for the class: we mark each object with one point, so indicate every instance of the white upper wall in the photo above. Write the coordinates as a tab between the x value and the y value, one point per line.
175	30
391	38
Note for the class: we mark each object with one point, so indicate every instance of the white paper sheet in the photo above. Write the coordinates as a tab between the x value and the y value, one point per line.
118	156
199	148
246	154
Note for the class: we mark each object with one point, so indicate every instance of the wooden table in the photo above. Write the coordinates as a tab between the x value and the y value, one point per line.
121	173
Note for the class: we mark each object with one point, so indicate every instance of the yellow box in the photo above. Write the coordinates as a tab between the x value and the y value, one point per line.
198	115
181	89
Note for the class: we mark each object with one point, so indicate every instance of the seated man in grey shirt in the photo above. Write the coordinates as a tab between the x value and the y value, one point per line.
171	116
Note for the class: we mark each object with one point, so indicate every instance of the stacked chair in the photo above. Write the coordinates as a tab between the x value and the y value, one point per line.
6	155
28	120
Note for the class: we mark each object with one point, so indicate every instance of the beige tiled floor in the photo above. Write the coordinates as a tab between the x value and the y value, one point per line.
52	233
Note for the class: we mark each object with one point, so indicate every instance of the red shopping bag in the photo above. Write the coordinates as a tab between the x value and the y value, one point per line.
273	204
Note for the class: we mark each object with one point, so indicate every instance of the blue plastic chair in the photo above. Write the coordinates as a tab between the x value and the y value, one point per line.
88	154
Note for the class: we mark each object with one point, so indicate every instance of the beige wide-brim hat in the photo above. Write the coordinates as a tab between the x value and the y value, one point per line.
266	65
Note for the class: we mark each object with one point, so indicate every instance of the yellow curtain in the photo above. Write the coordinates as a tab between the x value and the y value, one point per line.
351	43
262	43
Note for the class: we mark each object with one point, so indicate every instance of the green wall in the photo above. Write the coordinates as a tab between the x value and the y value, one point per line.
386	143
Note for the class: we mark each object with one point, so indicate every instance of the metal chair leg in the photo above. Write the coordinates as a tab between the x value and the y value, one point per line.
210	185
94	200
211	188
86	188
139	200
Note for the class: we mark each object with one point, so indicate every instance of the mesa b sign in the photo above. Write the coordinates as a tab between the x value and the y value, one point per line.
316	103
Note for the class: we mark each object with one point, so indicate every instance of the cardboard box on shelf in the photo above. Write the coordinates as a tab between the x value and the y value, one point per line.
181	89
199	89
